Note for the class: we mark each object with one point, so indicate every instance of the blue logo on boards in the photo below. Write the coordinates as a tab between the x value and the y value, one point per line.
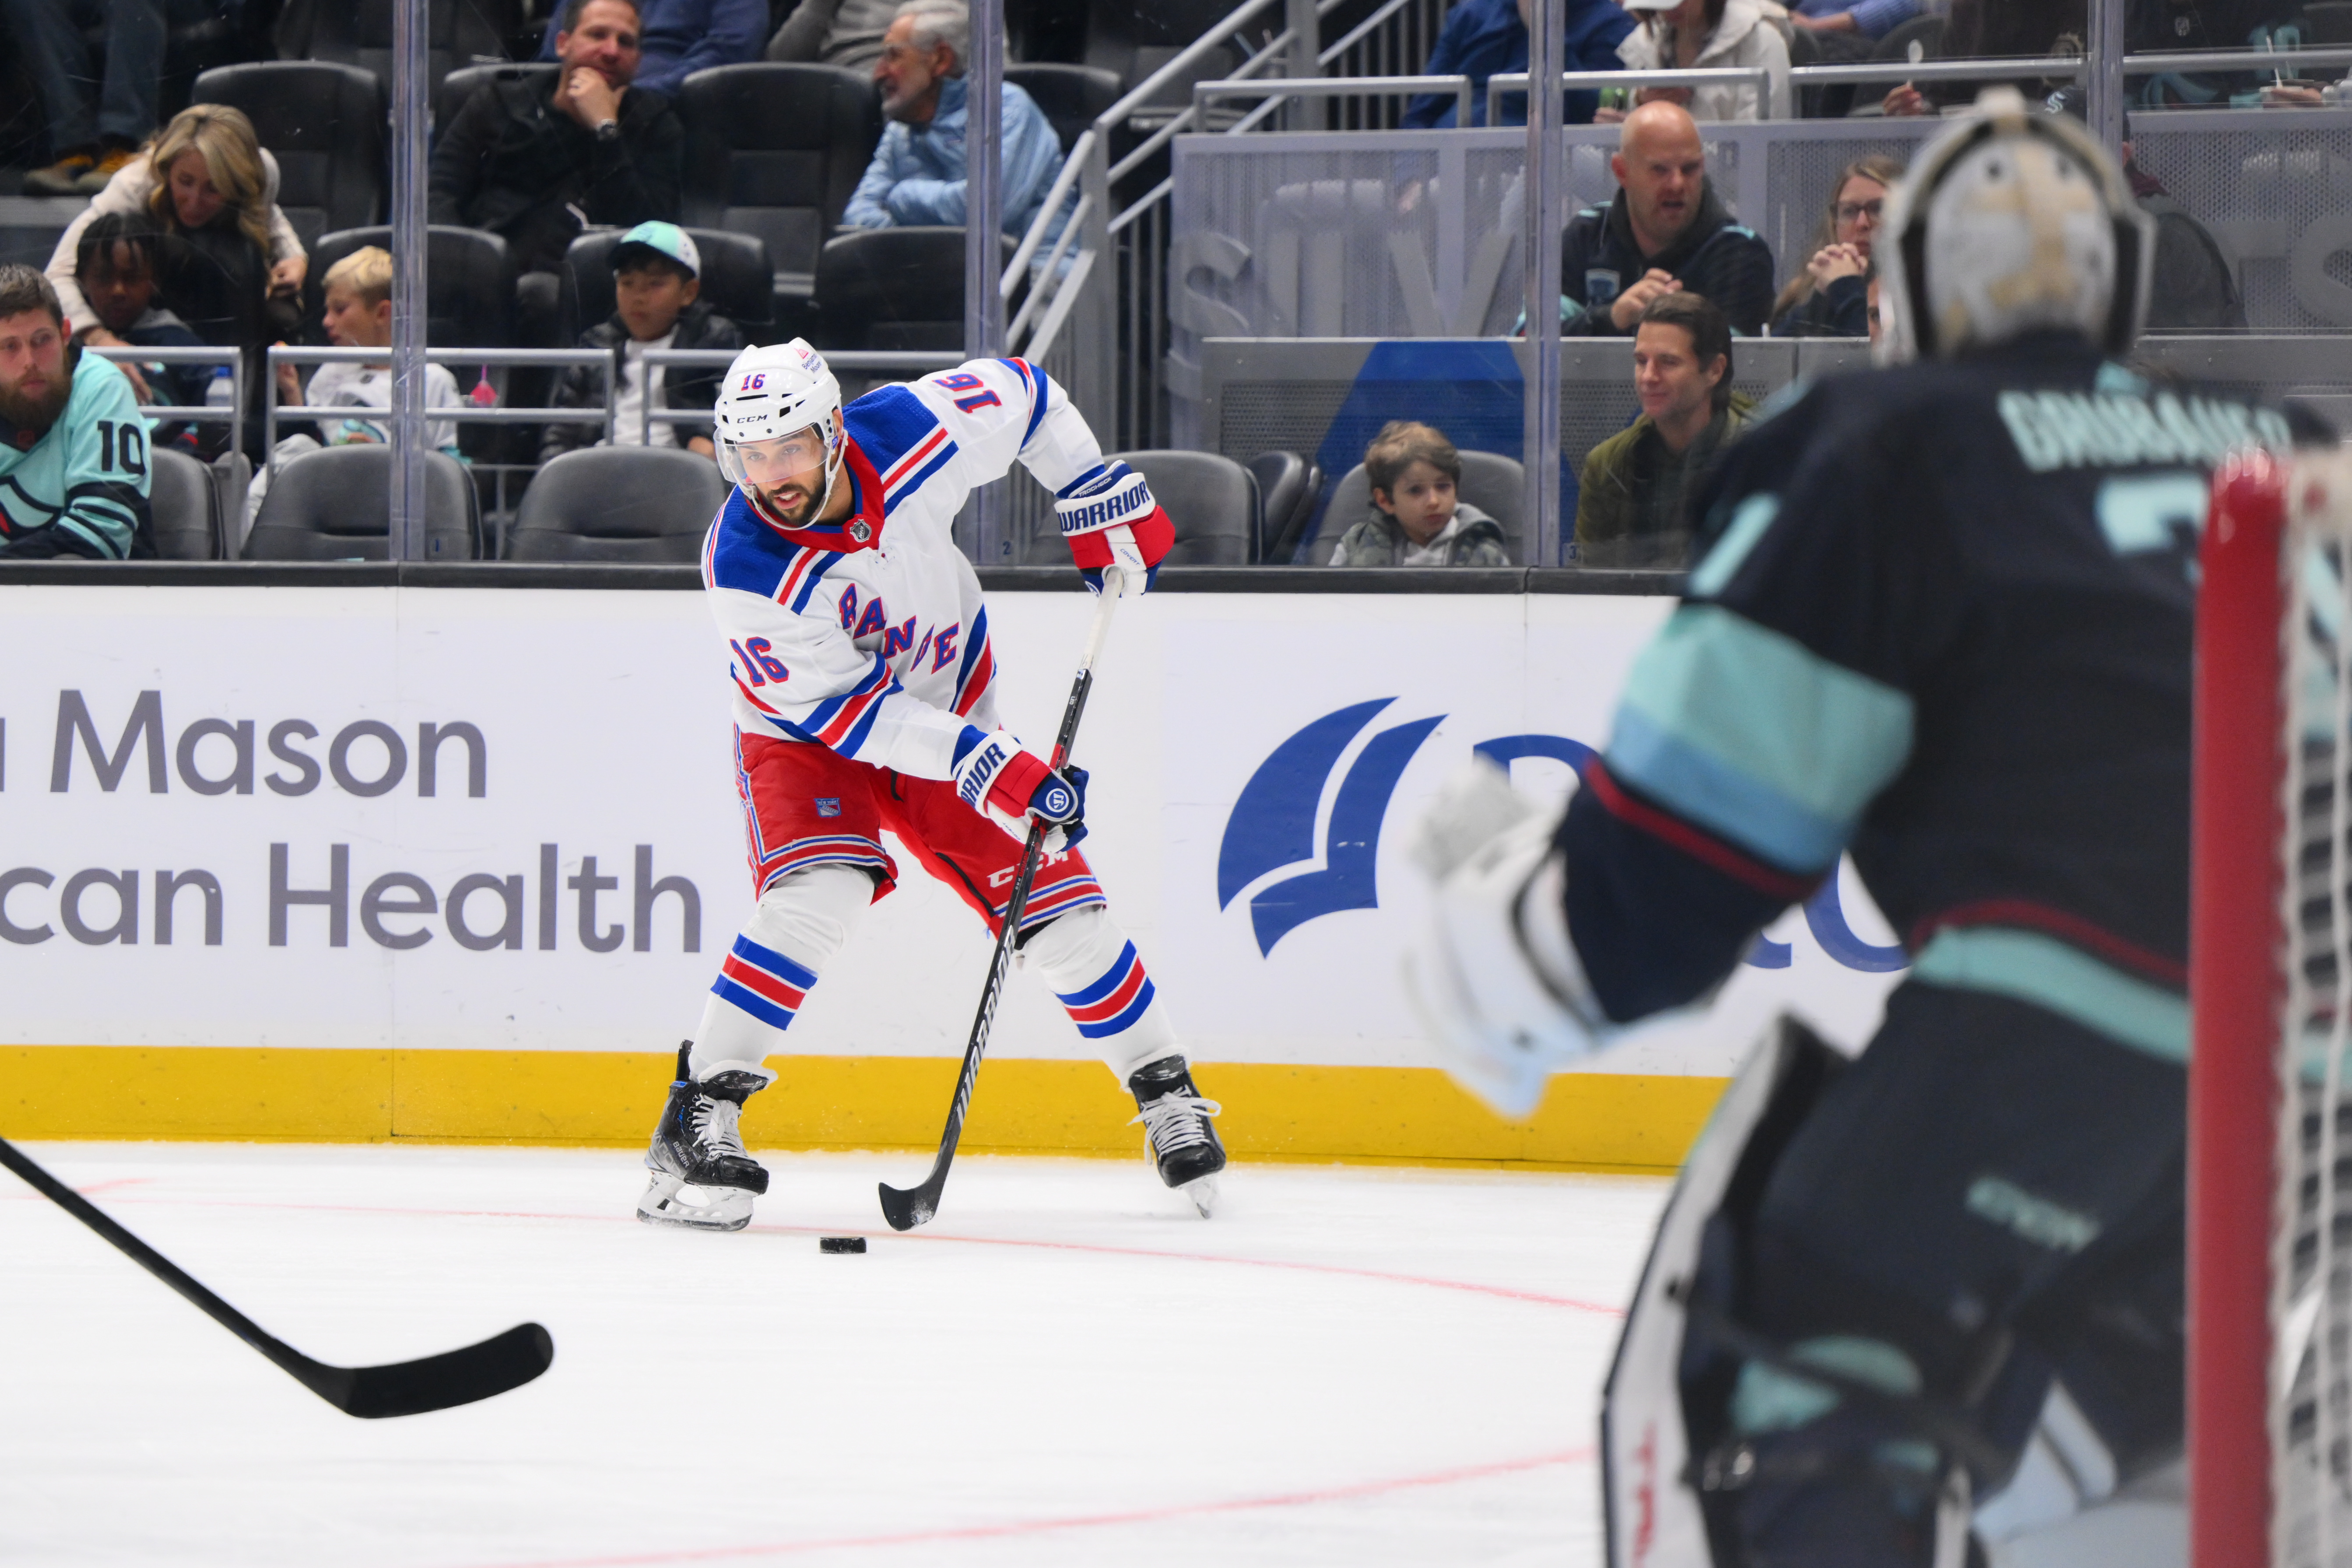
1273	826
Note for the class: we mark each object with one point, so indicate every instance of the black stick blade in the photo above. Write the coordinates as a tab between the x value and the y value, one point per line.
437	1382
907	1209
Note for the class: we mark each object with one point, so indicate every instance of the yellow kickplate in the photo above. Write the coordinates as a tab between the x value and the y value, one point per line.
1407	1115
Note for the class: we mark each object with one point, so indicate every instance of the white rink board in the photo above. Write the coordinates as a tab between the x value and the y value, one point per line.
604	724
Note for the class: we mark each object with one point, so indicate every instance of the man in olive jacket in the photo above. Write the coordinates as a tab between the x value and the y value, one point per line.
1633	502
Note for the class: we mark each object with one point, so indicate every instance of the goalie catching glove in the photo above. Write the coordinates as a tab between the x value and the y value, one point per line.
1008	783
1497	982
1110	519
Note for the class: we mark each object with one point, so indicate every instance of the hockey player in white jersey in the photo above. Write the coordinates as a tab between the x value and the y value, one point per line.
864	699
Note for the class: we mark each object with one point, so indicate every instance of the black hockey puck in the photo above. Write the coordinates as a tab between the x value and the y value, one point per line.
840	1244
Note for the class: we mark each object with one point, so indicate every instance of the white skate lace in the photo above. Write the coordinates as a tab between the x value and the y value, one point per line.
714	1126
1173	1121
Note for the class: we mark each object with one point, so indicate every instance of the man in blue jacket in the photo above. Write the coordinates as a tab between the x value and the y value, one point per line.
918	173
1489	38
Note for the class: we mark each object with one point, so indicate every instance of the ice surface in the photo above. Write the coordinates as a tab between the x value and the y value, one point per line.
1360	1366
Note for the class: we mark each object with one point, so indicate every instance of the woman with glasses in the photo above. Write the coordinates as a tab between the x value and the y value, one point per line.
1827	298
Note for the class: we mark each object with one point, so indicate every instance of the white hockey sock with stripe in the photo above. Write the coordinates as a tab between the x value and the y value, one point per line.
1091	967
799	923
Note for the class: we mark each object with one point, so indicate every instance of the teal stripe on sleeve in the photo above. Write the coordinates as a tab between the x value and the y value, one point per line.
1749	734
1748	525
2029	967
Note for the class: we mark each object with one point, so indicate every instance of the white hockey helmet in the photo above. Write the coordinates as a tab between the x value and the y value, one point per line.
2010	222
772	390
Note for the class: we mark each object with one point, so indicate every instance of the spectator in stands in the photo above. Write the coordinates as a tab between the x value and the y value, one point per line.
232	262
1709	34
678	37
845	32
1665	231
116	263
92	143
1865	20
1632	503
1826	300
918	173
73	460
537	164
656	277
1489	38
358	315
2194	289
1416	518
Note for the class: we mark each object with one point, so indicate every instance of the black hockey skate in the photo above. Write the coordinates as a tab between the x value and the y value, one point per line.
1181	1142
703	1179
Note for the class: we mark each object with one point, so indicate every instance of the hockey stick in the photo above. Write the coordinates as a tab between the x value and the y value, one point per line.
906	1208
404	1388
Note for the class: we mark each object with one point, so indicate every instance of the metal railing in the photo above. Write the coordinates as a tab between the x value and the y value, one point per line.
1280	87
464	414
189	412
1757	77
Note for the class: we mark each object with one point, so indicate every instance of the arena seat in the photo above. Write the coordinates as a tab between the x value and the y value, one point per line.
181	493
462	84
358	33
737	280
1496	485
618	503
469	283
1211	500
776	149
334	505
895	289
324	123
1288	484
1072	97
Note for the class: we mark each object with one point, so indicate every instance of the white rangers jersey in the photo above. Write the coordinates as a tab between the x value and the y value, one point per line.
868	636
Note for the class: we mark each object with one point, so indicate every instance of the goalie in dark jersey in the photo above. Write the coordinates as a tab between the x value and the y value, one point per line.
1923	1307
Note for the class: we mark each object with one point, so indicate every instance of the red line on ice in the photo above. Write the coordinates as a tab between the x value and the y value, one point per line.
1502	1291
1076	1521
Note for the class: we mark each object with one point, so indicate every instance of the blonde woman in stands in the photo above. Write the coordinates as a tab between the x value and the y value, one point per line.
1826	300
1705	35
233	264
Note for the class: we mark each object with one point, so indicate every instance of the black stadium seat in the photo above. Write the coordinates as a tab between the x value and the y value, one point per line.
776	151
1073	97
737	281
1288	484
324	123
462	84
895	289
358	33
187	505
618	503
1211	500
469	283
334	504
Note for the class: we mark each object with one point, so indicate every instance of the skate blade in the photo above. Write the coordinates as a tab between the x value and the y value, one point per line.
1202	1191
663	1202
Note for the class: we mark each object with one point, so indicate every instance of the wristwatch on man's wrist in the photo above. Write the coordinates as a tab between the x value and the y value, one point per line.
608	130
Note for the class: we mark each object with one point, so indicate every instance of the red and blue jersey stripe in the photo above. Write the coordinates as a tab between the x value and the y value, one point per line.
1050	900
979	665
909	474
763	982
1113	1004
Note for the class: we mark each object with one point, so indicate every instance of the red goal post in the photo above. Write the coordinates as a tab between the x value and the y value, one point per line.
2270	1082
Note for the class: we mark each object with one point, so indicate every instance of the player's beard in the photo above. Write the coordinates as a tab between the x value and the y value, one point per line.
799	516
37	413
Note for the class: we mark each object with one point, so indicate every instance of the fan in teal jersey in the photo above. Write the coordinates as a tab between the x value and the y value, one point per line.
73	443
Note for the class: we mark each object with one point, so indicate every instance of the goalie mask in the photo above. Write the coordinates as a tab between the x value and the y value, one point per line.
2011	222
777	413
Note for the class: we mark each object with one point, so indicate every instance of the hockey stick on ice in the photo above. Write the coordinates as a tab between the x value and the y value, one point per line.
906	1208
404	1388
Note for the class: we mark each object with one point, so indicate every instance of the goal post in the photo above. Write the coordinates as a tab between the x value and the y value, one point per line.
2237	950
